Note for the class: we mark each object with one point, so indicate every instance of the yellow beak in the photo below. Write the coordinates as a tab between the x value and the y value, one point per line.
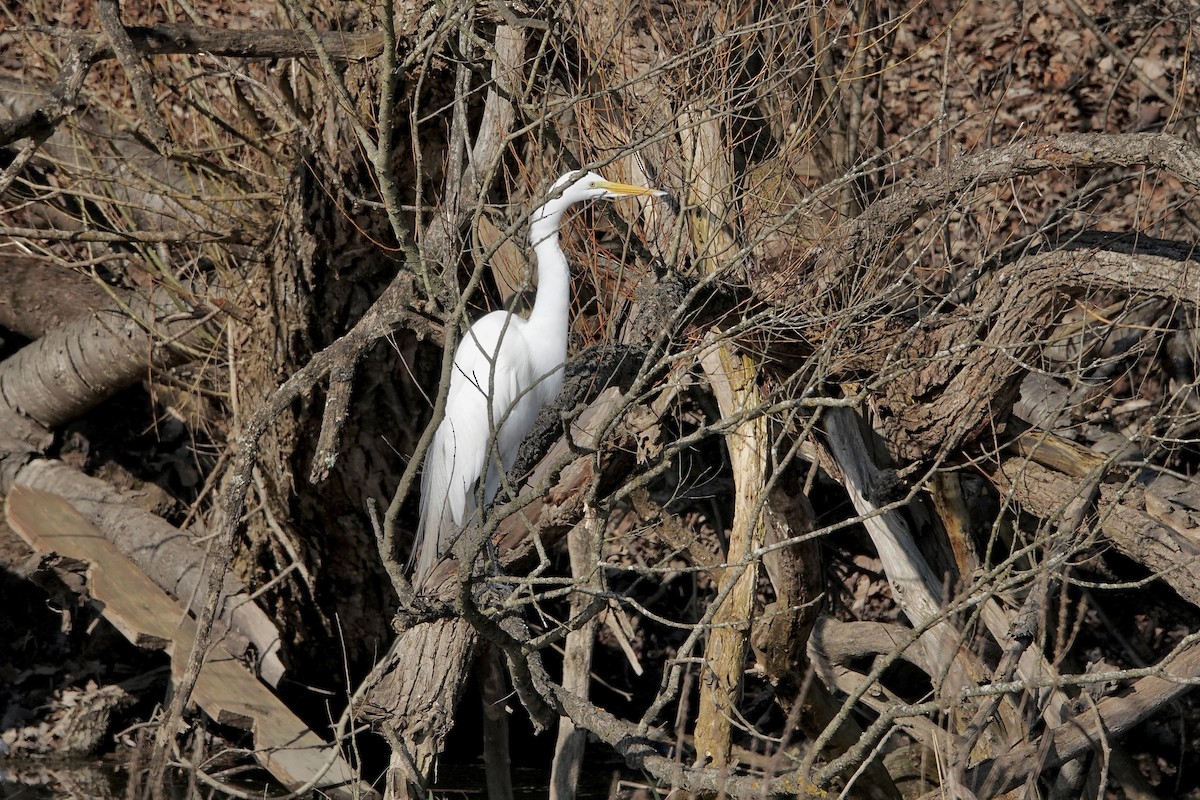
629	190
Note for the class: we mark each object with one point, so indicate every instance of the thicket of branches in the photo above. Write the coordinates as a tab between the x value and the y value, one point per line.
874	466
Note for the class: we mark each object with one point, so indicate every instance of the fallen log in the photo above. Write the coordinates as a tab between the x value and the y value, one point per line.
70	369
227	691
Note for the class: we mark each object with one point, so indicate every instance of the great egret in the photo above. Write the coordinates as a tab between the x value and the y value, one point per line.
505	369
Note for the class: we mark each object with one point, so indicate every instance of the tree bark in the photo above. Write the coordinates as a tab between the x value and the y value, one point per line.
75	367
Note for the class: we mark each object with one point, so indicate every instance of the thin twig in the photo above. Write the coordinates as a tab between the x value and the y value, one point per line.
109	12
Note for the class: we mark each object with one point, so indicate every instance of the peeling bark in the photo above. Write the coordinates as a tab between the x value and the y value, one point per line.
75	367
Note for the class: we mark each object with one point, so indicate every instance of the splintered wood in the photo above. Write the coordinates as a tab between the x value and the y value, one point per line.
227	691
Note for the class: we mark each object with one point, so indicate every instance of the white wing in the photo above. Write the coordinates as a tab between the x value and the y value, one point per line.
463	442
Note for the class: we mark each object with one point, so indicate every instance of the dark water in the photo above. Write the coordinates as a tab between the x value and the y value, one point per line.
99	779
29	779
528	784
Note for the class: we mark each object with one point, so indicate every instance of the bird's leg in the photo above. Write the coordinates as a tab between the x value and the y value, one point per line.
490	565
493	553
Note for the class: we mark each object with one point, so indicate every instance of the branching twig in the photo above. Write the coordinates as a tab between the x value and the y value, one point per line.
109	12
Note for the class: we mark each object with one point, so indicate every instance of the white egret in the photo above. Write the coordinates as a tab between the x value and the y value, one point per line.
505	369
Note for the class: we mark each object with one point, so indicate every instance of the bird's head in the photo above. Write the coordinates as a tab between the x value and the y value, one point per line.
592	186
576	187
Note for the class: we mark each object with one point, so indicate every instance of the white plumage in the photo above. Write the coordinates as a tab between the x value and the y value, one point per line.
507	366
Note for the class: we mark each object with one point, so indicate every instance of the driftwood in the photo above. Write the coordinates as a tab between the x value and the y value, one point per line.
162	552
1112	717
227	691
1152	524
413	704
965	414
76	366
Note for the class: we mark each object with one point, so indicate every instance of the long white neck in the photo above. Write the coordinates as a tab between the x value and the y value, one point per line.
549	319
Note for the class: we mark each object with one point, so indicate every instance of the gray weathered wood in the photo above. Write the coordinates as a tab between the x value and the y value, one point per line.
227	691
